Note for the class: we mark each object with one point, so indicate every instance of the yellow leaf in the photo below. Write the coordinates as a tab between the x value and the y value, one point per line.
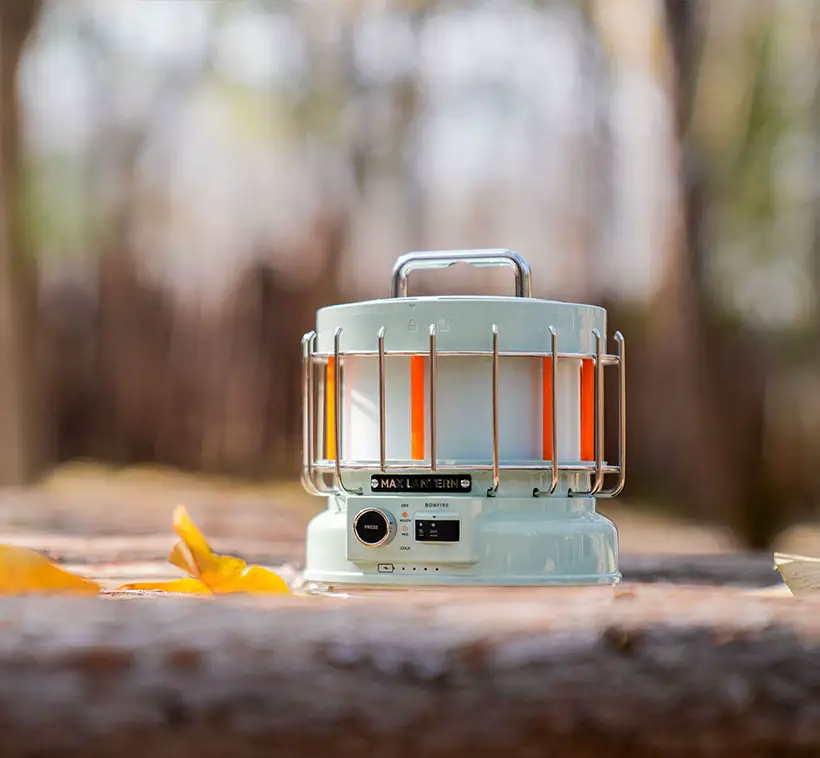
24	572
220	573
180	557
191	536
255	579
185	585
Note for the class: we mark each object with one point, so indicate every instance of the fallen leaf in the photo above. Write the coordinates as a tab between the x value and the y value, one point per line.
259	579
25	572
217	574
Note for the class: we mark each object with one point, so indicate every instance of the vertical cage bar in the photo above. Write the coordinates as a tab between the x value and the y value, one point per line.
337	380
309	438
554	401
619	485
496	463
307	414
546	409
599	414
547	419
597	421
433	378
382	404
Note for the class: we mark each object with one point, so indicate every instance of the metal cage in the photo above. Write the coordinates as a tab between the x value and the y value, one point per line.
315	469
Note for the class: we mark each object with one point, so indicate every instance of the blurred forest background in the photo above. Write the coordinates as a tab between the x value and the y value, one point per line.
183	184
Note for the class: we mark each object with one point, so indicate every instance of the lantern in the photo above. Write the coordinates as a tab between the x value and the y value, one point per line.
459	440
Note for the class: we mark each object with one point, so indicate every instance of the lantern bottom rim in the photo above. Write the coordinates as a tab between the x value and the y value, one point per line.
329	582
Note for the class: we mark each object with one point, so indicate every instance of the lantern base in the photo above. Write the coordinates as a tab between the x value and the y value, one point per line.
404	542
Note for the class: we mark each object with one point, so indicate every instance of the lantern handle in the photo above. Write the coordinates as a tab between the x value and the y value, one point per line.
445	258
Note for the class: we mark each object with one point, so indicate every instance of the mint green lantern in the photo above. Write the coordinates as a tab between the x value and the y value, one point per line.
459	440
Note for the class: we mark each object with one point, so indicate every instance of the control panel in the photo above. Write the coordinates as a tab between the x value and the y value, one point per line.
384	529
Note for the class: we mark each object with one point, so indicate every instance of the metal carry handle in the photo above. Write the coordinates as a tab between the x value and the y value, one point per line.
445	258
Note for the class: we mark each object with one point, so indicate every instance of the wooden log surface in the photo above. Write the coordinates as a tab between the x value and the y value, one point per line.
651	671
656	670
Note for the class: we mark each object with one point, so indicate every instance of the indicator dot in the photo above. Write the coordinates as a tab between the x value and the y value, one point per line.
404	515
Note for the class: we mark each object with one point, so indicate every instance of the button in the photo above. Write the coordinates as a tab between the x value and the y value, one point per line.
374	527
385	568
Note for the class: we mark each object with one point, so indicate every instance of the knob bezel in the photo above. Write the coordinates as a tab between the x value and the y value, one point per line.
388	519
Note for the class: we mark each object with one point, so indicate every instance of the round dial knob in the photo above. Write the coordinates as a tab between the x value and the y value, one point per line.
374	527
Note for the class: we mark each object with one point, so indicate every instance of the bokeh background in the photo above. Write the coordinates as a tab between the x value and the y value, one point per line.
183	184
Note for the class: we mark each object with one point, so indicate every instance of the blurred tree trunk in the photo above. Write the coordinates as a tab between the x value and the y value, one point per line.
689	431
20	449
713	376
815	121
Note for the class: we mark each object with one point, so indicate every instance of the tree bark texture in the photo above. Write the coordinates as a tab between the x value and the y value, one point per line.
653	672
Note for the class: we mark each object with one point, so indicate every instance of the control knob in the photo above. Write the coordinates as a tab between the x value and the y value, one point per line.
374	527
